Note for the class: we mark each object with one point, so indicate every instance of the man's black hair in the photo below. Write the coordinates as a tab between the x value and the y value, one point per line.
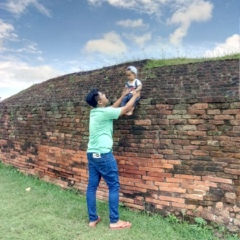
91	98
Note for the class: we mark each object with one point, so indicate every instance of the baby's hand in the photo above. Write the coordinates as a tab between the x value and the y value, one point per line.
136	94
126	91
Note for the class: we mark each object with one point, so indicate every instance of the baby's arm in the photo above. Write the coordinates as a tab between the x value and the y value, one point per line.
139	88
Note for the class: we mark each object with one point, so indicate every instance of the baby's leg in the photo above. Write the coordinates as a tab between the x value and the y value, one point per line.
124	101
129	113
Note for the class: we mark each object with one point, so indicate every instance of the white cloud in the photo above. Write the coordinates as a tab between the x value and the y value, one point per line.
29	48
146	6
7	32
17	76
111	44
184	12
230	46
132	23
18	7
139	40
17	73
198	11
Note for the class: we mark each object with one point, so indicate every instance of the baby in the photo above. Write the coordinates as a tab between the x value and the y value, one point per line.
134	85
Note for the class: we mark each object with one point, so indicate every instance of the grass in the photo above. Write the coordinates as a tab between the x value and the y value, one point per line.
47	212
176	61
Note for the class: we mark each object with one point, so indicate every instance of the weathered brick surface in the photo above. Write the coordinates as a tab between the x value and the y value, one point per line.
180	150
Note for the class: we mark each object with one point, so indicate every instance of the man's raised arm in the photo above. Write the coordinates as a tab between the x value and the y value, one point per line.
130	103
124	93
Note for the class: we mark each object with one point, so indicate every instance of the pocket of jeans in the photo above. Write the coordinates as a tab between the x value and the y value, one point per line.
112	163
107	165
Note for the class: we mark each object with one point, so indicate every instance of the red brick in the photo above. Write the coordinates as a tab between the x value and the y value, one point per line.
197	142
195	121
152	200
173	180
200	153
159	174
136	189
150	169
216	179
160	122
222	138
199	106
194	186
131	179
236	129
227	143
158	179
183	151
180	141
231	111
166	151
194	196
162	206
190	147
146	186
183	206
135	206
174	162
166	166
213	112
235	105
196	133
223	117
164	106
196	111
143	122
235	122
172	199
181	176
137	172
165	184
177	121
126	200
216	122
171	189
165	112
232	171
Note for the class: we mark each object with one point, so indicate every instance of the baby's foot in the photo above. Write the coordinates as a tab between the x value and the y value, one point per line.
130	113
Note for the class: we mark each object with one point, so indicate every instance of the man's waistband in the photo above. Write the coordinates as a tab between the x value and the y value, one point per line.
99	155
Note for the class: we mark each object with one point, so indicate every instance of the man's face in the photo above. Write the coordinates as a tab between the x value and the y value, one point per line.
130	75
102	99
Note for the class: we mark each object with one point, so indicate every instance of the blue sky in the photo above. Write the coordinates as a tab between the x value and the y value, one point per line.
41	39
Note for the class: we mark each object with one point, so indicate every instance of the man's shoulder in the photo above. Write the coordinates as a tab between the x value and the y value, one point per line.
103	109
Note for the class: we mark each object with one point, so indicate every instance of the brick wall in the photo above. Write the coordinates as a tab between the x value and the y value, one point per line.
180	152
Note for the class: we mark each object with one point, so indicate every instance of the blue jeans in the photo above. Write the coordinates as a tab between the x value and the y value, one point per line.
127	98
104	166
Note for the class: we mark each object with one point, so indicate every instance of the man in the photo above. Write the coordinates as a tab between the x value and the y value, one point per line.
101	162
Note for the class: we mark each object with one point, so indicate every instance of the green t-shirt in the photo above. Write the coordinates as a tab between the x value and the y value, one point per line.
101	129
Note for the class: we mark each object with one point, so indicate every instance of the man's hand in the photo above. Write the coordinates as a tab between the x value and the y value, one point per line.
136	94
126	91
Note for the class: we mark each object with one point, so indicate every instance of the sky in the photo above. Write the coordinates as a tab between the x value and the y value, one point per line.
42	39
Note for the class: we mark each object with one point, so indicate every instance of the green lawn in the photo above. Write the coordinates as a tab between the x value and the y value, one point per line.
47	212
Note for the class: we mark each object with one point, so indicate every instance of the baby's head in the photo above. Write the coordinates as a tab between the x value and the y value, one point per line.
131	73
